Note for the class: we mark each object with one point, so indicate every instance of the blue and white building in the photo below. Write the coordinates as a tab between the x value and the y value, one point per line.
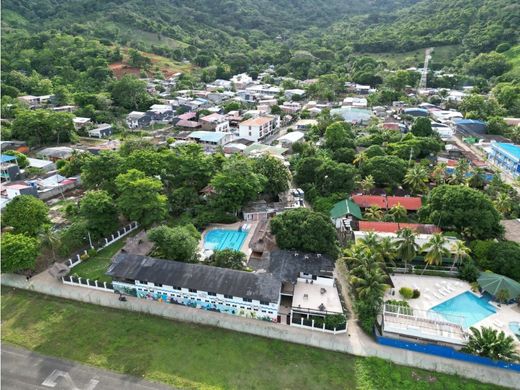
506	156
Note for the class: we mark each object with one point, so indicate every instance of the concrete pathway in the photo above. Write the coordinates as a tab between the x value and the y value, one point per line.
355	341
27	370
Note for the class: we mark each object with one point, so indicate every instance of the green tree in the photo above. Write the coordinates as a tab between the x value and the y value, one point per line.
339	135
366	184
130	92
100	212
26	215
459	252
374	213
41	127
488	342
19	252
398	213
21	158
50	239
416	178
406	246
488	65
178	243
228	258
306	230
386	170
503	203
276	173
463	209
422	127
435	250
100	172
236	184
140	197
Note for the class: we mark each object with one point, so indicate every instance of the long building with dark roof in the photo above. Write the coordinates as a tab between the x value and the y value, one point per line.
247	294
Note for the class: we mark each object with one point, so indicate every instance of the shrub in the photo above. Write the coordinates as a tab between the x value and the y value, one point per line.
92	252
84	257
406	292
416	293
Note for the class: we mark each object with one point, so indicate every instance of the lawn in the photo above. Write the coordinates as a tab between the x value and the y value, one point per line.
95	267
195	357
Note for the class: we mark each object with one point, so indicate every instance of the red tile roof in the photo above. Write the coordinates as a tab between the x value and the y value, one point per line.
408	202
394	227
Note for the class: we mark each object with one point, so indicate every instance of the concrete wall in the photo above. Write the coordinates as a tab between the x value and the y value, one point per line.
354	342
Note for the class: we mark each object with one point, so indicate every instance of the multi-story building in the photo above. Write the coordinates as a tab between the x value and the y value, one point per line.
246	294
256	129
506	156
215	122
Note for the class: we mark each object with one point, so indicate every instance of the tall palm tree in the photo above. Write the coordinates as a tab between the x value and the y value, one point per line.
360	159
370	284
406	246
477	179
367	184
398	213
435	250
503	203
387	250
489	343
51	240
370	240
461	169
416	178
374	213
439	173
459	252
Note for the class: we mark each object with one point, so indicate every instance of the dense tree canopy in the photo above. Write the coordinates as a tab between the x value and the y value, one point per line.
464	209
26	215
177	243
100	212
306	230
276	173
19	252
41	127
386	170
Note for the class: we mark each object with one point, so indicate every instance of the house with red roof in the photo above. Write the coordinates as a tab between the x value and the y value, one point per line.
394	227
410	203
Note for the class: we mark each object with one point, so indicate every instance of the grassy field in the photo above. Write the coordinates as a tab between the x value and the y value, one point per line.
441	54
195	357
95	267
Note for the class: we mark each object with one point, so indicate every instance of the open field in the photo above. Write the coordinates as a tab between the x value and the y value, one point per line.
441	54
195	357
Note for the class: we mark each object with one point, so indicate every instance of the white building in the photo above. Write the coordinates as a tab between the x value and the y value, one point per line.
215	122
289	139
257	129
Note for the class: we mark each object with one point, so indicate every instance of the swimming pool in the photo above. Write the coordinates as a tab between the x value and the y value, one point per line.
467	305
219	239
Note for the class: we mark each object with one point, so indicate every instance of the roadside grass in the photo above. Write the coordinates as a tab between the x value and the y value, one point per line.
191	356
95	267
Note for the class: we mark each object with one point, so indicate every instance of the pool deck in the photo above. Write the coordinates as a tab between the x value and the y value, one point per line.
232	226
430	297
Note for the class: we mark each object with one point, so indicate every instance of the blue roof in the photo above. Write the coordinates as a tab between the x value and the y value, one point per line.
510	149
469	122
207	136
7	158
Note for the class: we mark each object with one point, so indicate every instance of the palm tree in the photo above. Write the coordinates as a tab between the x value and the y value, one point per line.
374	213
459	252
489	343
51	240
435	250
360	159
370	240
416	178
370	284
477	179
439	173
460	171
367	184
398	213
387	250
406	246
503	203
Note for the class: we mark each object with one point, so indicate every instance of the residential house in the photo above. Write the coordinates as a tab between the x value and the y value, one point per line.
291	107
305	124
35	101
210	139
9	169
241	81
64	108
506	156
44	165
410	203
355	102
15	189
256	129
186	124
470	126
161	113
102	130
215	122
291	93
138	119
289	139
55	153
246	294
81	122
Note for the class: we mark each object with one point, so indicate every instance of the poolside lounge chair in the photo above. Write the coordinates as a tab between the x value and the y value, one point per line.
443	292
436	295
450	288
498	323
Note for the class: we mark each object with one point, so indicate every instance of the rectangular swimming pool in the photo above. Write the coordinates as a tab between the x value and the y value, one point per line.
219	239
467	305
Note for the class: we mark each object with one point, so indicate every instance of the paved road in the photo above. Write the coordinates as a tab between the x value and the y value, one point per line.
26	370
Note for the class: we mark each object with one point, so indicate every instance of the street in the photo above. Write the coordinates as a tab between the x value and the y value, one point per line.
26	370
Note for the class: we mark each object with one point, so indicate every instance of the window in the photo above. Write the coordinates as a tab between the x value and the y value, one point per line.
247	300
205	300
263	311
212	294
264	303
234	305
228	296
158	285
192	290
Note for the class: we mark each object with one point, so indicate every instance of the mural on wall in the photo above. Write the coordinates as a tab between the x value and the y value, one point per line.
124	289
220	307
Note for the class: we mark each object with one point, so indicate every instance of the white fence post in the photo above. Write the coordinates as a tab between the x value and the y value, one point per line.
79	280
79	258
113	238
105	284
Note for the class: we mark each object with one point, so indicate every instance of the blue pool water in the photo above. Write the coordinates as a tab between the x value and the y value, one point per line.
467	305
219	239
515	327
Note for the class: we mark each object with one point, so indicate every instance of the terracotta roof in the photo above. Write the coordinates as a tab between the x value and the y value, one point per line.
408	202
187	116
261	120
185	123
394	227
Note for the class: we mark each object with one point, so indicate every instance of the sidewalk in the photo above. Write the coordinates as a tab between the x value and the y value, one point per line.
354	342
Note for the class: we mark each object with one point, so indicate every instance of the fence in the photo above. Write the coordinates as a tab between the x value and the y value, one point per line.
309	324
447	352
73	281
420	271
125	230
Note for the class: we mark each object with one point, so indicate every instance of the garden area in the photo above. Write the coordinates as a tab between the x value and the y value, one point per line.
190	356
